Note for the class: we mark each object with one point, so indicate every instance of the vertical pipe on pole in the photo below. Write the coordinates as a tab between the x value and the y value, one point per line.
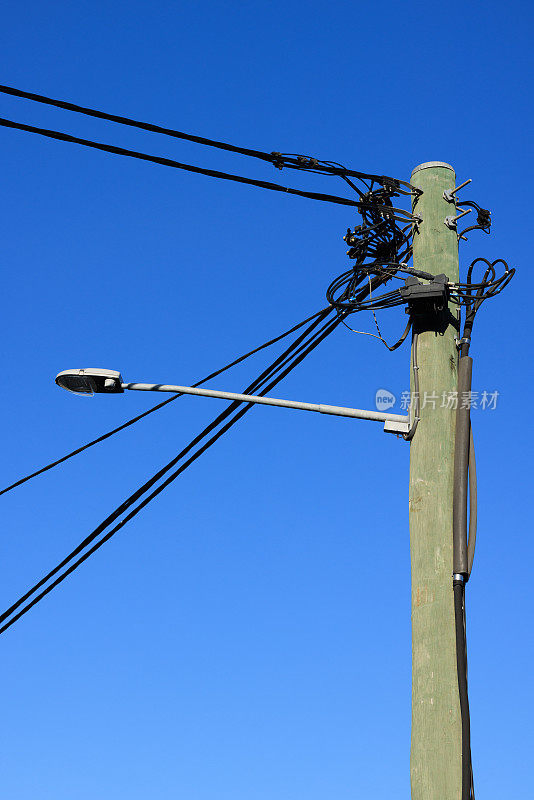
435	764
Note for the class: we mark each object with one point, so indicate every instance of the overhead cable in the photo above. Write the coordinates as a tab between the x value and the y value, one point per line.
156	407
279	160
146	126
169	162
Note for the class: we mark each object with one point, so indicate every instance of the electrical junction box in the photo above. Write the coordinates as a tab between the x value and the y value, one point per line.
421	297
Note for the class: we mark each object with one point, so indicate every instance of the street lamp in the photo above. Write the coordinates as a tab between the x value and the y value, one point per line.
90	381
107	381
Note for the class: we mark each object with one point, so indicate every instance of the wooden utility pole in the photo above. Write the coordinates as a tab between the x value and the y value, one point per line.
436	725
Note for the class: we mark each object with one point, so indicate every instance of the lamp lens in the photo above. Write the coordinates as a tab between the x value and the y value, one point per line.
79	384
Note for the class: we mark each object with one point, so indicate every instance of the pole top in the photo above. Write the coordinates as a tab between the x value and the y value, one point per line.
429	164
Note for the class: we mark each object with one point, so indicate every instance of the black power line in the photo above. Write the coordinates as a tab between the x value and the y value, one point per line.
146	126
169	162
279	160
156	407
281	367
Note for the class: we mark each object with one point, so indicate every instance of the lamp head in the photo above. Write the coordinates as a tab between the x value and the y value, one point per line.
90	381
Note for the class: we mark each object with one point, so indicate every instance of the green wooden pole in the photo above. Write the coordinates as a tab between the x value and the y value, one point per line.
436	726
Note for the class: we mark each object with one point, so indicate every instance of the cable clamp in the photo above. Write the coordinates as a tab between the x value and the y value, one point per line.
449	196
304	161
278	160
460	342
451	221
458	576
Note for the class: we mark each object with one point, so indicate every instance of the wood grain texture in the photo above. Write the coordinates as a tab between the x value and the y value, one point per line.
436	729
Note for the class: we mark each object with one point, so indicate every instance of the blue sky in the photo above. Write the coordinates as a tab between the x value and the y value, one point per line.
248	635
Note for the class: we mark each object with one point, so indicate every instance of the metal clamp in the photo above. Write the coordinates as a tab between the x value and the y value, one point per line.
449	196
460	342
451	221
392	426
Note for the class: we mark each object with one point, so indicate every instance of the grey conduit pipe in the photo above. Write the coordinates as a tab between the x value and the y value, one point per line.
472	503
463	551
461	467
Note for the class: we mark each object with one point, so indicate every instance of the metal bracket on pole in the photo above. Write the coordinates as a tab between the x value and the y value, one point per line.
451	221
393	426
394	423
449	196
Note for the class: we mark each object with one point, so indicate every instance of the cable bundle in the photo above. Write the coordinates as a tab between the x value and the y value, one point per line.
472	295
380	247
342	292
278	160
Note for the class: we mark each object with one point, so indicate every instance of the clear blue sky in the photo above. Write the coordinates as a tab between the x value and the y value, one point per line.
248	635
